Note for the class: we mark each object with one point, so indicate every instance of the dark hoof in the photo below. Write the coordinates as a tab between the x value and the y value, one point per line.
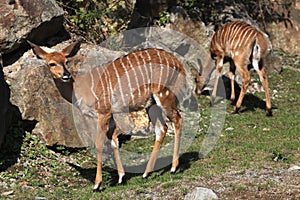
269	113
96	188
235	111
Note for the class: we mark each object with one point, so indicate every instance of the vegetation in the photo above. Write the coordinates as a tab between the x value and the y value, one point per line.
251	158
95	20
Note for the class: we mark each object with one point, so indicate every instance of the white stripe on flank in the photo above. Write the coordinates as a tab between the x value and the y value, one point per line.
228	29
104	90
230	37
161	67
120	84
102	85
241	38
107	75
149	75
92	85
250	35
168	66
220	37
135	76
173	69
236	33
145	71
128	79
139	67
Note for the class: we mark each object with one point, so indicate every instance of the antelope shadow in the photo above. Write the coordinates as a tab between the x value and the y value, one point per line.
161	168
251	102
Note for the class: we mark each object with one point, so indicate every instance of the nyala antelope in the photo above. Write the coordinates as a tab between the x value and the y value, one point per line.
132	82
244	44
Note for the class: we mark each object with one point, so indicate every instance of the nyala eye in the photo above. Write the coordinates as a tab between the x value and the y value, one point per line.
52	64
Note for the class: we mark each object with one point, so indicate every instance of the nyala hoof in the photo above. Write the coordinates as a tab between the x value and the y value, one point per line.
269	113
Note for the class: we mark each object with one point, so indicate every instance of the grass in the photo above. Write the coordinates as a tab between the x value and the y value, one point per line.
249	142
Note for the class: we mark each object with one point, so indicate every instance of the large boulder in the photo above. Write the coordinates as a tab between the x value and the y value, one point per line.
285	30
36	20
34	93
28	19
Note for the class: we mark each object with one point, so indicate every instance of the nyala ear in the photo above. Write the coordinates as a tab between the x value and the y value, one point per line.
72	49
37	50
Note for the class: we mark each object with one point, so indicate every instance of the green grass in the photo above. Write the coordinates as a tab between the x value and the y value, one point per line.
253	141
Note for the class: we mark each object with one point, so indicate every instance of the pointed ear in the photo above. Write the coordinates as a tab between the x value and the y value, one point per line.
72	49
37	50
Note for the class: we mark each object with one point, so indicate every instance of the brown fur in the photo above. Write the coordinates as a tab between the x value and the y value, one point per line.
243	43
167	83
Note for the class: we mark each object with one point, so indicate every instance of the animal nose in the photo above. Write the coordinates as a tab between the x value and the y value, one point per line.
66	76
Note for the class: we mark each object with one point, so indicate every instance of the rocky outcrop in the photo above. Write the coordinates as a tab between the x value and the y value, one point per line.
285	32
20	20
28	19
33	92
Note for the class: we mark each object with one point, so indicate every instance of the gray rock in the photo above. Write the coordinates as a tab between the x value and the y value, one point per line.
23	19
200	193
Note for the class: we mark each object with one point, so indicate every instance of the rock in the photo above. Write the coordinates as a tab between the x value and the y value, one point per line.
287	24
41	198
200	193
28	19
34	93
199	35
294	168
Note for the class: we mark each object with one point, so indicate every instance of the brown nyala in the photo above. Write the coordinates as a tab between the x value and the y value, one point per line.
244	44
132	82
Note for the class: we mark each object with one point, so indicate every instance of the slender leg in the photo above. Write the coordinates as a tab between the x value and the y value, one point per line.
264	79
245	83
219	66
100	139
177	120
115	147
231	76
160	131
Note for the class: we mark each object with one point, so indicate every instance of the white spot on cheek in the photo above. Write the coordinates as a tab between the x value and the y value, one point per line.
167	92
236	53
